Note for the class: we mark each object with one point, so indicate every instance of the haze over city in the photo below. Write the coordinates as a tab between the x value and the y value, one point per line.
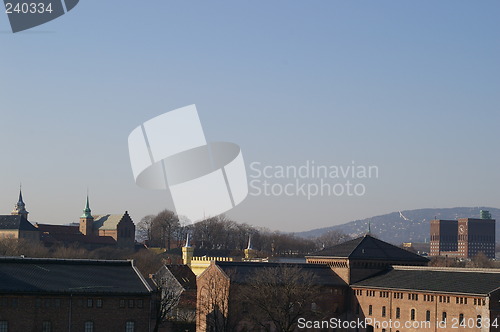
409	88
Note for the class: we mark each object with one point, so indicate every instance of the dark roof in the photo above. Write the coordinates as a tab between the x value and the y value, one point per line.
69	238
183	274
16	222
64	229
239	272
368	247
75	276
444	280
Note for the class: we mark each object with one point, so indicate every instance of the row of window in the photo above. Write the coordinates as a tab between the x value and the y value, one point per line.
56	303
87	327
414	297
131	303
413	314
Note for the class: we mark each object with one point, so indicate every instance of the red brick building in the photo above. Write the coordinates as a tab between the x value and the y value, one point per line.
54	295
93	231
463	238
384	287
220	308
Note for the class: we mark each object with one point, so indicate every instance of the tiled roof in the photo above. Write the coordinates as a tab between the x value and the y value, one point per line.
368	247
444	280
70	276
239	272
108	221
16	222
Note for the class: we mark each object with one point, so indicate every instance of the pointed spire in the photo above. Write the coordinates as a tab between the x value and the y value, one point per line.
249	242
87	211
20	194
187	241
20	207
369	227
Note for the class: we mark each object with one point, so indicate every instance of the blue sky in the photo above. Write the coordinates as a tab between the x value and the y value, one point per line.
412	87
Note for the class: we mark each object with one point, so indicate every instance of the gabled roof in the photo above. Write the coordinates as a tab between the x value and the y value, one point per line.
443	280
70	276
183	274
16	222
109	221
368	247
240	272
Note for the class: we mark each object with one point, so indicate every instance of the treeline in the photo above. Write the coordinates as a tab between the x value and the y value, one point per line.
166	230
146	261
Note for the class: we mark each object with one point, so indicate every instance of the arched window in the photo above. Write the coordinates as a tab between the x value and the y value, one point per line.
412	314
461	319
428	316
89	326
383	311
444	316
398	313
370	310
479	321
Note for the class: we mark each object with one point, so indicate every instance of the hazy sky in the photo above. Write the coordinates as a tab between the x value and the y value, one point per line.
412	87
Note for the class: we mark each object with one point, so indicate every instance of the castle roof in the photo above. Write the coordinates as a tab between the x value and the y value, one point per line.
108	221
369	248
16	222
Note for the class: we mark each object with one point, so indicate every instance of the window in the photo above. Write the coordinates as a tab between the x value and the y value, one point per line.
398	313
122	303
461	319
383	311
140	303
428	316
444	316
130	326
4	326
89	326
412	314
370	310
89	303
313	306
46	326
98	303
130	303
479	322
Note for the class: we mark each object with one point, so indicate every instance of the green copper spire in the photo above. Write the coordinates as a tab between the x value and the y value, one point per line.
86	212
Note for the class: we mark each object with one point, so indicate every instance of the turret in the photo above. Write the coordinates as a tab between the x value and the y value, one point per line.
187	252
250	252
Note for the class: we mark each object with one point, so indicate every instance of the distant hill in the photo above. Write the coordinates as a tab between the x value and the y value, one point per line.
404	226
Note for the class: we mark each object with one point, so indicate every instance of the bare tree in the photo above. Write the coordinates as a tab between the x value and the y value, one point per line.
144	229
278	296
480	261
169	296
163	226
331	238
